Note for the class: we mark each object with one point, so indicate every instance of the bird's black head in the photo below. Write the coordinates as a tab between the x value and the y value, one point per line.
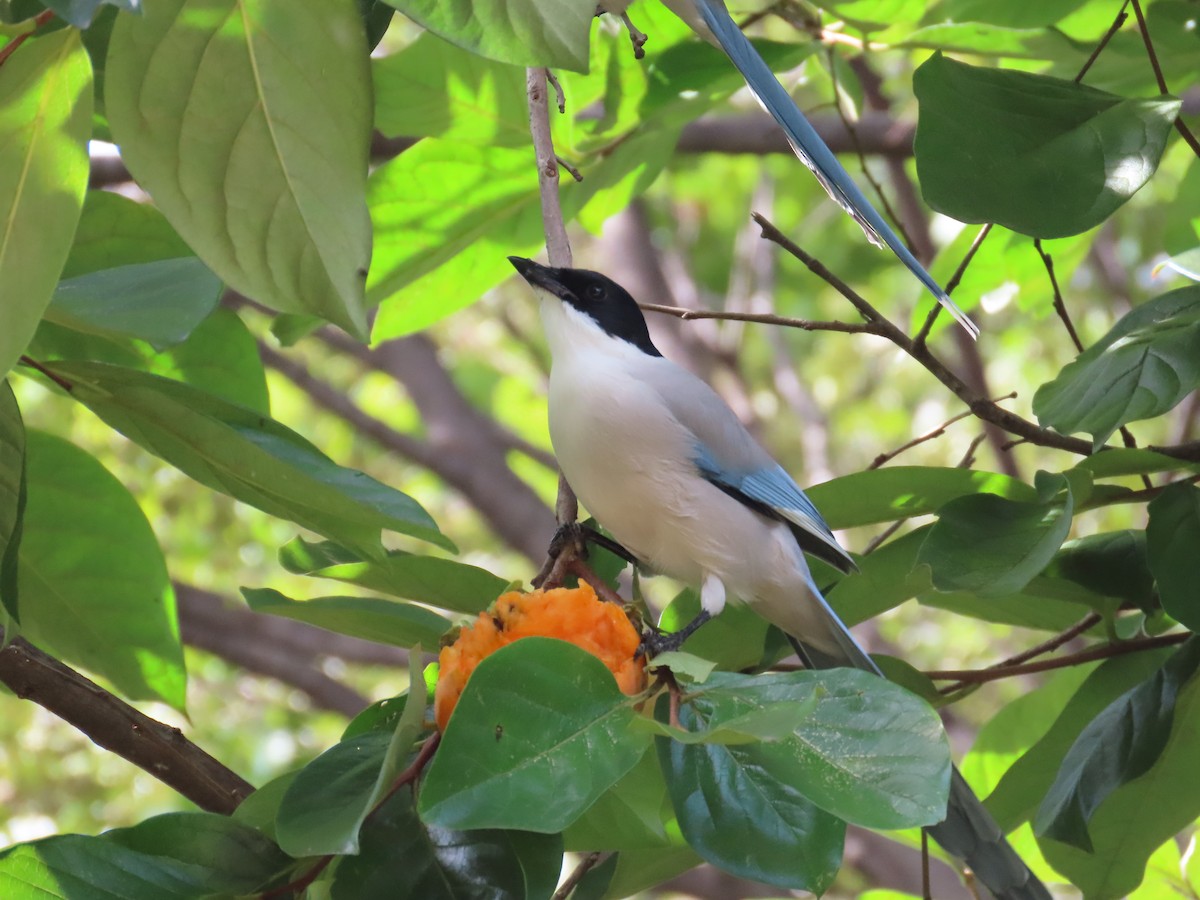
594	295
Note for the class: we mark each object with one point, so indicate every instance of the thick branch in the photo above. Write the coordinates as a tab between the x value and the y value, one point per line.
150	745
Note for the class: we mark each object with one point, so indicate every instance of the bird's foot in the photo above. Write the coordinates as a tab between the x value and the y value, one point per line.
655	642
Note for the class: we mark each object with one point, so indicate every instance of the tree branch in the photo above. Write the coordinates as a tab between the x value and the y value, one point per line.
158	749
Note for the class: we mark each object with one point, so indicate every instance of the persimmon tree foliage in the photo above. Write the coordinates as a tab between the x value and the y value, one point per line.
294	172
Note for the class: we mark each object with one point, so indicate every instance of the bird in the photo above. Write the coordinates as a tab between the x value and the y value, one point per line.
711	20
666	467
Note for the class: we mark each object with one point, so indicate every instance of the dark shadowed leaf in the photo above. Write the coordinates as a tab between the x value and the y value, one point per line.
93	582
243	453
12	497
401	857
1039	155
1144	366
1120	744
427	579
540	720
116	231
369	618
233	857
45	122
994	546
524	32
1111	564
1173	535
258	150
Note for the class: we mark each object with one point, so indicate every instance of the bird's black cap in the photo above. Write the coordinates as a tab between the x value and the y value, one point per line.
594	295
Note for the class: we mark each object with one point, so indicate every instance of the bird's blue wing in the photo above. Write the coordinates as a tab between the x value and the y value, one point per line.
812	150
772	491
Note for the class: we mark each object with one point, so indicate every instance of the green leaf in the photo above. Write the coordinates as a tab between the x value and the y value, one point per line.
45	122
1138	817
258	149
93	584
427	579
369	618
1173	536
324	806
74	865
631	815
12	498
524	32
900	492
1144	366
1115	462
433	89
219	357
994	546
259	809
885	579
1110	564
741	816
870	752
231	856
1039	155
400	857
993	40
158	302
251	458
1013	14
1119	745
539	733
116	231
1027	780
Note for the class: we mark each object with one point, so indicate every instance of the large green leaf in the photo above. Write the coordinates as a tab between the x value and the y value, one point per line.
45	122
525	32
1119	745
400	857
1110	564
1144	366
1039	155
231	856
1173	536
433	89
257	150
242	453
369	618
631	815
993	546
159	302
1129	826
12	498
539	733
93	584
900	492
428	579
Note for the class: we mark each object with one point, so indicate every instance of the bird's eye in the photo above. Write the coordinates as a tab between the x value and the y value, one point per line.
595	292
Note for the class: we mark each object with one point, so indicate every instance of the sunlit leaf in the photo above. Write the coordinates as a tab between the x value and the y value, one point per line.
45	121
257	151
369	618
524	32
1039	155
252	458
93	582
12	497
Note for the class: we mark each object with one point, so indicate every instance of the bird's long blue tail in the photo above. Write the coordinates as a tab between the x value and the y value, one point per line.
968	832
812	150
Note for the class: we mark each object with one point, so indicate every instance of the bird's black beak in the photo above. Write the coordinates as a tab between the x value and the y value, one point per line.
539	276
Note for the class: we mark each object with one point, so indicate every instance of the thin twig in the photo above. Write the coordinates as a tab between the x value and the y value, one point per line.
560	97
584	572
876	541
571	170
56	378
1136	645
39	20
1158	76
968	458
763	319
1091	620
637	38
1108	36
955	280
929	436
